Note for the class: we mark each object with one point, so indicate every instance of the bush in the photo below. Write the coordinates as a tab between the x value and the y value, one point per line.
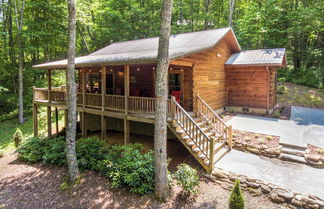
55	152
127	166
187	178
18	137
236	200
91	153
32	150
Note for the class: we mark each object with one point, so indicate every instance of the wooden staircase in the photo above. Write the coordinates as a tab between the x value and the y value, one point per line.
204	134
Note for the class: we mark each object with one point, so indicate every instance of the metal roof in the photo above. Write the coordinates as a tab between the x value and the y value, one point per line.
145	50
265	57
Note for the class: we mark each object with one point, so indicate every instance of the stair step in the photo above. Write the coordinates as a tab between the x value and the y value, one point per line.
196	149
292	146
202	156
186	137
292	158
190	143
292	151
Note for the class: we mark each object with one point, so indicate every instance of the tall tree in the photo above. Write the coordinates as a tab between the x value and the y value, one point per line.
161	92
71	96
231	12
19	10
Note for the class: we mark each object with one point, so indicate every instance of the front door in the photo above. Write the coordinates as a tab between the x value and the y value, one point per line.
175	85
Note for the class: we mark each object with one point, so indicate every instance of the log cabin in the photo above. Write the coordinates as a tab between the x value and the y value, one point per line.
208	74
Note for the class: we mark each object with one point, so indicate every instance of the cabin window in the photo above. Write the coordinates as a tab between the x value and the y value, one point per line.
110	83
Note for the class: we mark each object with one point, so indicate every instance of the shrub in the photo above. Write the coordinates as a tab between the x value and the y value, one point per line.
236	200
55	151
32	150
91	153
187	178
127	166
18	137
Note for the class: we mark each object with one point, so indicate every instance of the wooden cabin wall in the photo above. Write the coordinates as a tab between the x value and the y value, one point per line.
209	77
247	87
273	88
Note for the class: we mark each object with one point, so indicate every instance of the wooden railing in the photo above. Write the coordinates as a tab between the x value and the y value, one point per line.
114	102
93	100
214	120
141	104
40	94
204	143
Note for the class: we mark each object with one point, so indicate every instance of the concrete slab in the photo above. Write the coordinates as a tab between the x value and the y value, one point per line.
294	176
306	126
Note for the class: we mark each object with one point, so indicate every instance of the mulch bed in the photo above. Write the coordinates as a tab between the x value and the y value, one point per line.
256	139
38	186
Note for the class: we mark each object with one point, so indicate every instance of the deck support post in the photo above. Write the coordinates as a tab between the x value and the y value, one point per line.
49	121
211	155
35	119
49	109
82	119
126	131
56	120
126	89
103	94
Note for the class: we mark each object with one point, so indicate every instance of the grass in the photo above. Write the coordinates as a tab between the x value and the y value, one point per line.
8	128
293	94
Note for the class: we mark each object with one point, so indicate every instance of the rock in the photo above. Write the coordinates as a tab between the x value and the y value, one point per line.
298	197
253	150
313	158
314	197
226	185
308	201
275	198
252	185
287	195
322	159
296	202
255	192
265	189
292	207
320	203
307	151
208	205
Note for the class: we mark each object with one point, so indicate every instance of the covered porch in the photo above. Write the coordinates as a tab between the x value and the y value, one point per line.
123	92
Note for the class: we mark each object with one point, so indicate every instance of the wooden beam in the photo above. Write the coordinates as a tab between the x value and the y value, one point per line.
56	120
126	131
181	63
35	120
49	121
126	88
103	94
49	77
268	87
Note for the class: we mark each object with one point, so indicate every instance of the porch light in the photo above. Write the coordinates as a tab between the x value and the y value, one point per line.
170	68
153	68
138	69
111	70
90	71
218	55
181	70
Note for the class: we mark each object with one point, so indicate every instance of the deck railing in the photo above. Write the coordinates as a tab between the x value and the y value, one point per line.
214	120
112	102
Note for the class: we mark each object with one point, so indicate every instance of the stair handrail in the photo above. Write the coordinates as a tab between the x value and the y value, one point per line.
209	156
227	133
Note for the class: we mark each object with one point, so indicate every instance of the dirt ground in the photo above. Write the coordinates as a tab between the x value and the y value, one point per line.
38	186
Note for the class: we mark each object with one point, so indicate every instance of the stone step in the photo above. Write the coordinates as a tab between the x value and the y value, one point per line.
292	158
293	146
292	151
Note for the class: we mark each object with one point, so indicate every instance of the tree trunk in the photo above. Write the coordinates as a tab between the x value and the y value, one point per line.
231	12
161	92
71	96
19	21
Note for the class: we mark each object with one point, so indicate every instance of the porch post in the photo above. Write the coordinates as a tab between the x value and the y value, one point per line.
103	94
56	120
83	125
126	89
35	119
49	113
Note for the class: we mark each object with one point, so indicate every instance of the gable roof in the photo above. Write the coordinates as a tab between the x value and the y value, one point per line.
261	57
146	50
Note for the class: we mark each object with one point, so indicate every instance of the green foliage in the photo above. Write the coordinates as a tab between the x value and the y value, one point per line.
33	149
91	153
129	167
236	200
55	151
187	178
123	165
18	137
